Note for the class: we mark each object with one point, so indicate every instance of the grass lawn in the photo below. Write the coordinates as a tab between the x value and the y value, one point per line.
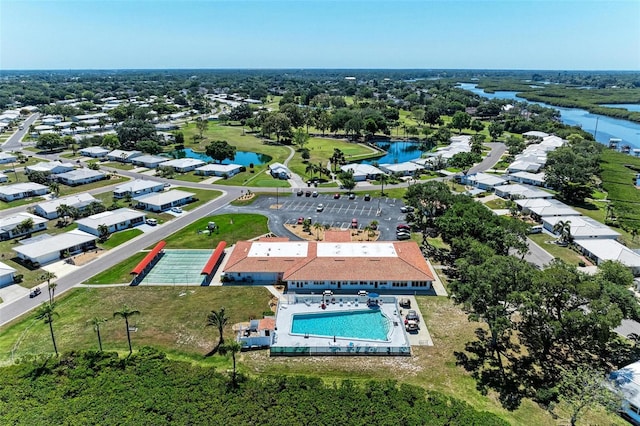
120	237
68	190
262	194
497	204
564	253
203	196
189	177
171	318
231	228
120	273
118	165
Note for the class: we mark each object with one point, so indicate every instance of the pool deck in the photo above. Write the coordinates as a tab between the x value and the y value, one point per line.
397	337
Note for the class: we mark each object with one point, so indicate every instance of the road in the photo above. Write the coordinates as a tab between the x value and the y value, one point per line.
13	143
11	310
497	150
14	309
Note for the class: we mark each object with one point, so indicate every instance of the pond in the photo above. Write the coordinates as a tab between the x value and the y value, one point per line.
244	158
397	152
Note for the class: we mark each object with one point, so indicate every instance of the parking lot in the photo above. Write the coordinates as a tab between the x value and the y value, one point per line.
337	213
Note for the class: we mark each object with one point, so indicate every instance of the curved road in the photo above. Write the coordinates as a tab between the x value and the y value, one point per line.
12	310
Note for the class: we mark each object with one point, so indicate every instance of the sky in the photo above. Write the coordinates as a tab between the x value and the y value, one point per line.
425	34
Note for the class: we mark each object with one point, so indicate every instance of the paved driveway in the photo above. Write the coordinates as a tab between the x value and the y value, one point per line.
337	213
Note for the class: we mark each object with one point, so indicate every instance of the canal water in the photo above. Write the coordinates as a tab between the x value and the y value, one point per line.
608	127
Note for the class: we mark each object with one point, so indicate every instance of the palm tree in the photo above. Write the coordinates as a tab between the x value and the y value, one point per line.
96	322
47	313
318	226
48	276
52	291
368	230
103	230
563	228
125	313
54	187
218	319
383	178
25	227
311	169
232	347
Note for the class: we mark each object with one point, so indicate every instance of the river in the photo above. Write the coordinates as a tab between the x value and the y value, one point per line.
608	127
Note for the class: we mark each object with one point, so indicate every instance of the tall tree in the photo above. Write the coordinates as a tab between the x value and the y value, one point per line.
202	125
300	138
25	227
563	229
96	322
460	120
218	319
47	313
103	231
233	348
495	130
126	313
221	150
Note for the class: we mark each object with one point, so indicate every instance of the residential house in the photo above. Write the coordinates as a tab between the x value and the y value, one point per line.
18	191
46	248
362	172
9	226
49	209
81	176
518	191
401	169
136	188
602	250
279	171
149	161
122	155
7	275
484	181
540	208
4	178
6	157
219	169
536	179
183	165
53	167
94	151
162	201
582	227
114	220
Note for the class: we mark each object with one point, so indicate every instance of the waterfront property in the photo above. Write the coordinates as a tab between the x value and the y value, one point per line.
219	170
162	201
114	220
279	171
136	188
366	324
311	266
362	172
18	191
401	169
183	165
149	161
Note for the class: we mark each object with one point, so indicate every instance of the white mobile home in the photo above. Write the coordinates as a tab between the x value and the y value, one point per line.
162	201
18	191
9	226
114	220
136	188
183	165
48	209
7	274
81	177
149	161
219	170
94	152
122	155
47	249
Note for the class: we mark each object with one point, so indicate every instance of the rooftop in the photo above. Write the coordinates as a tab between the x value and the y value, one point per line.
75	200
137	185
110	218
55	243
161	198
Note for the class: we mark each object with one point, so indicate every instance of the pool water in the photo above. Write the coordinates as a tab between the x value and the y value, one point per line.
363	324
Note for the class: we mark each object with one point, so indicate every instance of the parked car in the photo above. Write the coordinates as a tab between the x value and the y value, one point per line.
536	229
315	194
320	208
354	223
406	209
402	226
363	293
405	302
152	222
300	193
35	292
367	197
352	196
336	196
412	326
403	236
300	220
412	315
307	194
176	209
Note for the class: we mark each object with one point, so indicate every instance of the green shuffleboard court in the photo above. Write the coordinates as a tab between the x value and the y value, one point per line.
178	267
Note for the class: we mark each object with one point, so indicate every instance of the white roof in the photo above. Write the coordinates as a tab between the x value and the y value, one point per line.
487	179
356	250
608	249
6	155
55	243
219	168
183	162
137	185
150	159
584	227
47	167
628	381
536	134
278	167
361	169
402	167
524	191
18	188
94	150
279	249
10	222
553	141
548	207
76	200
6	269
536	177
119	153
161	198
527	166
81	174
110	218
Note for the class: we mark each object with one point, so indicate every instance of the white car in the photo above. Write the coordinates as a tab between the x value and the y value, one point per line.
176	209
320	208
152	222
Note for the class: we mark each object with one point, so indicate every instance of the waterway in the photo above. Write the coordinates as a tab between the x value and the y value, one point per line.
608	127
397	152
628	107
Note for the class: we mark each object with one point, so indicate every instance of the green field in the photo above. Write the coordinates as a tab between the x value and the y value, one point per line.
565	253
121	237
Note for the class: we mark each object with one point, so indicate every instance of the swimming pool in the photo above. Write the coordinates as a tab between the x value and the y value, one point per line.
361	324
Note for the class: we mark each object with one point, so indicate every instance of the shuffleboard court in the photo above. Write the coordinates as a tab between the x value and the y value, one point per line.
178	267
